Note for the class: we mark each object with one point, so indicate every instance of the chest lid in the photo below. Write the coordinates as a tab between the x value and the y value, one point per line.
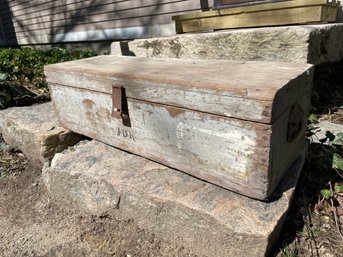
254	91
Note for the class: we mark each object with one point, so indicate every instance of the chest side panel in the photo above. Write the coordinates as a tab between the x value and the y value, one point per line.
288	139
229	152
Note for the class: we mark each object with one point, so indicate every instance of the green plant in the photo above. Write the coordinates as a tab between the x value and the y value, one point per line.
334	141
26	64
315	226
289	250
22	72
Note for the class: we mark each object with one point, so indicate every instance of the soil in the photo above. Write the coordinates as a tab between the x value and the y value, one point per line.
32	225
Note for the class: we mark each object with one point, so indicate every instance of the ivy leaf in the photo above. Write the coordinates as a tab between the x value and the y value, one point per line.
3	76
4	147
338	188
339	139
337	162
313	118
326	193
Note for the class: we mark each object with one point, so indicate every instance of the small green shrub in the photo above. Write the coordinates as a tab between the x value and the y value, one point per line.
22	71
26	64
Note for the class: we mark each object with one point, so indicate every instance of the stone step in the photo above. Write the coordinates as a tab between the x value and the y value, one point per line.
322	128
100	179
209	220
313	44
35	130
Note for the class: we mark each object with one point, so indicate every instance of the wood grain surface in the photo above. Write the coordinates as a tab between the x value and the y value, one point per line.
244	90
178	114
267	14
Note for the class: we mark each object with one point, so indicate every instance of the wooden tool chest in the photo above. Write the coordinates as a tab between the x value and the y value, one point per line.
239	125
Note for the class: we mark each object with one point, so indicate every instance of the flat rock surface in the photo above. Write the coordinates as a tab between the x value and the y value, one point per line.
35	130
313	44
323	127
211	221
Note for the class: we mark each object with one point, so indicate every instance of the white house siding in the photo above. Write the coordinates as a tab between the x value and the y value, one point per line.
54	21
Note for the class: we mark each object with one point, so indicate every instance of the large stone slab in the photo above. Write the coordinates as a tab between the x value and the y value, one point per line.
313	44
323	127
35	130
210	220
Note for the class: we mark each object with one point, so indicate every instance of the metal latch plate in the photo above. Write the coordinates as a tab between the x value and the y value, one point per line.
117	101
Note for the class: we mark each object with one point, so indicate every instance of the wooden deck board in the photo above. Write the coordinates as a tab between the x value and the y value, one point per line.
271	14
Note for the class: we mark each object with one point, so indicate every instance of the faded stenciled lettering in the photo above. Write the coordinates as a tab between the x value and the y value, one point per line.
125	134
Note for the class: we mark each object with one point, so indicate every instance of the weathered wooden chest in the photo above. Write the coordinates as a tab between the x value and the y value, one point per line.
239	125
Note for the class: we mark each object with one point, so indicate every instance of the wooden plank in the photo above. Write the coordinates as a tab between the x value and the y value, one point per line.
51	31
300	15
38	5
239	95
253	8
227	2
223	151
58	8
86	21
139	15
329	14
39	18
283	152
223	4
234	154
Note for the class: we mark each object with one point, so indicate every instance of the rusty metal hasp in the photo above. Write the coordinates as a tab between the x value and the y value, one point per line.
119	102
